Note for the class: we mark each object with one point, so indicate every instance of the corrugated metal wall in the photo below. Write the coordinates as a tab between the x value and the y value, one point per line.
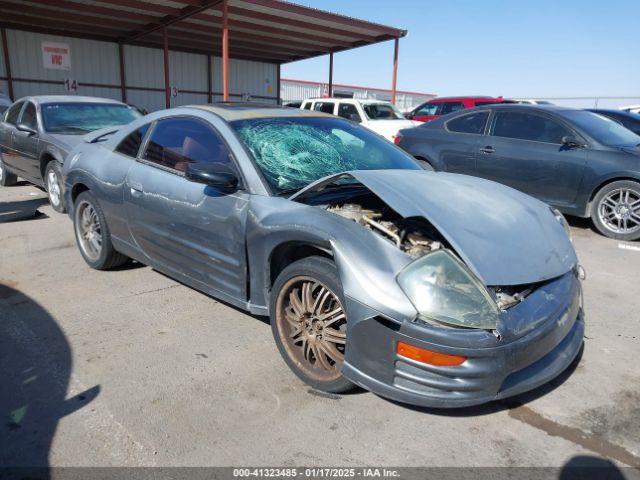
94	62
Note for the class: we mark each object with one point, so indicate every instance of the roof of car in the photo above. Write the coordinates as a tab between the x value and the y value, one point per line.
548	108
342	99
231	111
67	99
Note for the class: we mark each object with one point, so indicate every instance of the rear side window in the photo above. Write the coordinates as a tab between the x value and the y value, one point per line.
349	111
130	146
448	107
307	106
472	123
525	126
325	107
29	116
176	142
12	114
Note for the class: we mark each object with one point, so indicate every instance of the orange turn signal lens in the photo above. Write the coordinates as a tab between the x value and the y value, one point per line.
423	355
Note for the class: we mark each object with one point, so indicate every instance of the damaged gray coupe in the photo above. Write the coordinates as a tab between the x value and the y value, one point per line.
432	289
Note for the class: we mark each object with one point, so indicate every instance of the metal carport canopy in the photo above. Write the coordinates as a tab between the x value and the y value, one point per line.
270	31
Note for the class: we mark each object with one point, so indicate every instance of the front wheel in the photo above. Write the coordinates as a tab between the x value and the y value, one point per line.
616	210
92	234
309	323
53	182
6	177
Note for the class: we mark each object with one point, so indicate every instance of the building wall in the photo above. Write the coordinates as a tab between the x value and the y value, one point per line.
97	63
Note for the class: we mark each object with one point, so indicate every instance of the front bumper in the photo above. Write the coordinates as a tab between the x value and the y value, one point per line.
541	337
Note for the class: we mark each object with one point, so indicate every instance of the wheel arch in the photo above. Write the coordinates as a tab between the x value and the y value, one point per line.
285	253
46	157
77	189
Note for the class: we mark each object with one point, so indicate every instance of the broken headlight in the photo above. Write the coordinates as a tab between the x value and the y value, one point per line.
444	290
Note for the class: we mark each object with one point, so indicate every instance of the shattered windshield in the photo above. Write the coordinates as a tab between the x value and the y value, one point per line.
293	152
79	118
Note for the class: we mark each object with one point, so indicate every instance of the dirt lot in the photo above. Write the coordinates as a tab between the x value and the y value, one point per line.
131	368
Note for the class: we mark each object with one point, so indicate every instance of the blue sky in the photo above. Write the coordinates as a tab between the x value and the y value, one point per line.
515	48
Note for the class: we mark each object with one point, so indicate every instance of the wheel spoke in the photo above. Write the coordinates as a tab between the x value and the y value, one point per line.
323	294
334	336
295	302
321	357
331	351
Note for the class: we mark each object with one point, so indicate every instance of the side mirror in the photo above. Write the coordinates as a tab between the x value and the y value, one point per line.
26	128
215	175
571	142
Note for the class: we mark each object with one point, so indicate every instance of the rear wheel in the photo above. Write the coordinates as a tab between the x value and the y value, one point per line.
309	323
53	183
92	234
6	177
616	210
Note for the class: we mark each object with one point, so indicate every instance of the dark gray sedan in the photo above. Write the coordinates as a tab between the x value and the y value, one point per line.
36	133
432	289
581	163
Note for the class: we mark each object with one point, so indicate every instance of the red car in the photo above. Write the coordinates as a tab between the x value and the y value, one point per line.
443	105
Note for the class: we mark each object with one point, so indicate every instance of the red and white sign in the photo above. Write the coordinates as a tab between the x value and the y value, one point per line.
56	56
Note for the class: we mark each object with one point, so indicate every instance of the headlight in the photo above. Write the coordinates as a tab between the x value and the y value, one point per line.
443	289
563	221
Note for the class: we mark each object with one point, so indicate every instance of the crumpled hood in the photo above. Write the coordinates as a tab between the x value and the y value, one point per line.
503	235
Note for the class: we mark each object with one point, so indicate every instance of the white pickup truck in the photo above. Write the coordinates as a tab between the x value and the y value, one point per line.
382	117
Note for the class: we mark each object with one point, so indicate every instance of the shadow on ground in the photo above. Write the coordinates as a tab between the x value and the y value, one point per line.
35	368
21	210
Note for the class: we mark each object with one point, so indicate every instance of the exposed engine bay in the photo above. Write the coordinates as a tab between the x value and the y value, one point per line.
415	236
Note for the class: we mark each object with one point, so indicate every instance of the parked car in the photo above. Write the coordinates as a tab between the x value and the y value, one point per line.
626	119
36	133
431	289
631	108
5	102
581	163
384	118
437	107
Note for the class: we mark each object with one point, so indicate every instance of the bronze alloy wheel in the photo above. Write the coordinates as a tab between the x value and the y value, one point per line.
313	327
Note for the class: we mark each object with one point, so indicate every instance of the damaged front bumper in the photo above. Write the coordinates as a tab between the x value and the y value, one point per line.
539	338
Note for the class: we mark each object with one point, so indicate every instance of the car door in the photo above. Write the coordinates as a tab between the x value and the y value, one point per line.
426	112
9	155
524	150
187	228
26	143
459	146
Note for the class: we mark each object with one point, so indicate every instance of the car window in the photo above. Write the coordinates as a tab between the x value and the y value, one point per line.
427	109
526	126
29	116
13	113
382	111
349	111
131	144
449	107
79	117
326	107
307	106
604	130
471	123
176	142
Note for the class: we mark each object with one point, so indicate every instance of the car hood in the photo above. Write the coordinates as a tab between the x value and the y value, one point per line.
66	142
390	128
503	235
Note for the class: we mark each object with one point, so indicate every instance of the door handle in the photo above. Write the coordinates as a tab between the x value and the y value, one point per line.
136	189
487	149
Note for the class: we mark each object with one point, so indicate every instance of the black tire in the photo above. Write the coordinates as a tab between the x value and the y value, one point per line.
53	185
106	257
323	274
425	164
7	178
604	205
